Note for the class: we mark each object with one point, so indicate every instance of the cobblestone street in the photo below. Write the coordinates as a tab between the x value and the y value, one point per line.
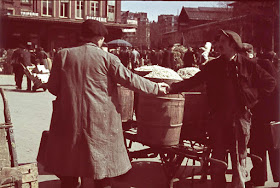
31	115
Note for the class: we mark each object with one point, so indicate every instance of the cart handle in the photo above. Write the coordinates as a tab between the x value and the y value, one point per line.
218	162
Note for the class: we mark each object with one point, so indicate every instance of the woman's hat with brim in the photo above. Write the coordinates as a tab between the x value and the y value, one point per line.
92	28
234	37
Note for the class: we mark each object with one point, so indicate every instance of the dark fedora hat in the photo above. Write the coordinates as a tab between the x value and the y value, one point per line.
234	37
92	28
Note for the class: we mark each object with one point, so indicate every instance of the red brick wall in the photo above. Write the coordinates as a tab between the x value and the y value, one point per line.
56	9
87	11
118	11
17	6
39	8
73	5
104	9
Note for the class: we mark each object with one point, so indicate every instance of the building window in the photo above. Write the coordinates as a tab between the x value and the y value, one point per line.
10	11
64	8
79	8
47	7
25	1
111	11
94	8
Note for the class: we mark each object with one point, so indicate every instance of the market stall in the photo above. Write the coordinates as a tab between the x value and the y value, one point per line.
162	124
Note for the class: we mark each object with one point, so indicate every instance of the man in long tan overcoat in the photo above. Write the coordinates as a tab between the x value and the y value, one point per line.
86	136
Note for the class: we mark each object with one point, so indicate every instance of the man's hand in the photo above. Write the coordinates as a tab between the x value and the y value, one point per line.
163	88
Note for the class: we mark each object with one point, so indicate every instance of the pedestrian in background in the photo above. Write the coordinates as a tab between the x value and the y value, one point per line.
264	112
153	57
21	58
189	58
204	53
8	69
86	136
42	56
135	58
168	58
234	85
124	56
159	56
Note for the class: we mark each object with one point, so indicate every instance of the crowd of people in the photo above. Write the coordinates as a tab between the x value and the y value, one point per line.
166	57
38	56
14	61
242	88
133	57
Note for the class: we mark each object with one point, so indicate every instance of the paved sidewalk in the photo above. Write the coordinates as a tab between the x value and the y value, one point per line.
31	115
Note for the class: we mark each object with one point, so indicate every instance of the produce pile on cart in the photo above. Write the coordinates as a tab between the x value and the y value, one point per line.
158	72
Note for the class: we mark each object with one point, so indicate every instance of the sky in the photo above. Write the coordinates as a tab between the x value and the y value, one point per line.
156	8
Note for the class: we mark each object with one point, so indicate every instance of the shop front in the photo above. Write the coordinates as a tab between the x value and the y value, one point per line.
48	33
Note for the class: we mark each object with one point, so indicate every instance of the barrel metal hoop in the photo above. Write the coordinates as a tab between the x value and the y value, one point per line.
175	99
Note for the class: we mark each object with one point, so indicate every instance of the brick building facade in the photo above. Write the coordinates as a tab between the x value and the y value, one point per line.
140	37
167	23
56	23
160	31
199	25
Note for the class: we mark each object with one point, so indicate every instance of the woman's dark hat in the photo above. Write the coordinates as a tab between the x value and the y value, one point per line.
234	37
92	28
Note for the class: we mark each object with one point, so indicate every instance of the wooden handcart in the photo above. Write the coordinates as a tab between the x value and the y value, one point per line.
13	175
194	141
171	156
191	148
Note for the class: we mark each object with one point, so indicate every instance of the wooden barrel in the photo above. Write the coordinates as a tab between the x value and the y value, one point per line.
159	119
126	100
